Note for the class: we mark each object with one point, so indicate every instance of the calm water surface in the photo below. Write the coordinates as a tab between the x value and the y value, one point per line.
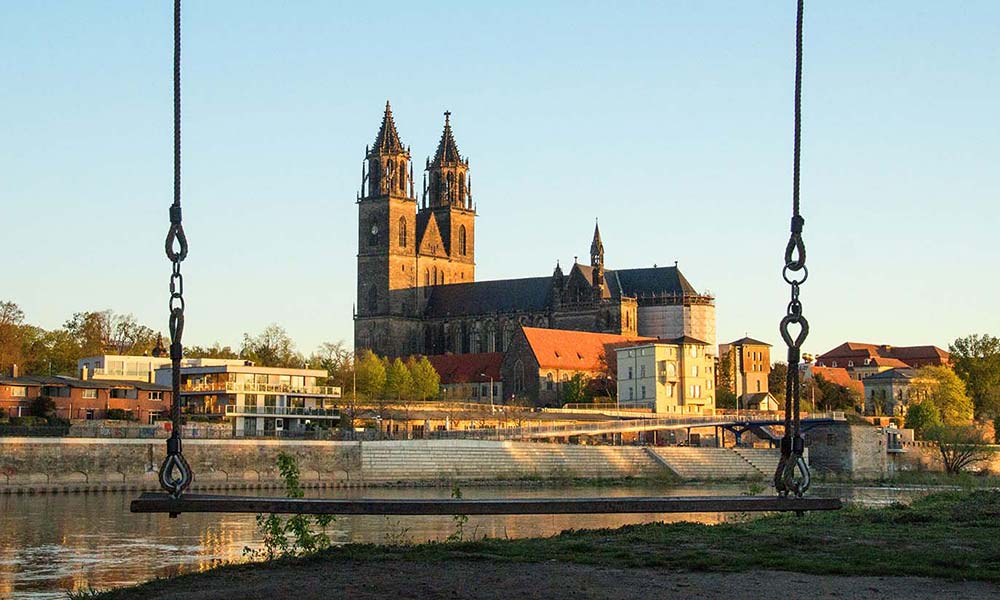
51	543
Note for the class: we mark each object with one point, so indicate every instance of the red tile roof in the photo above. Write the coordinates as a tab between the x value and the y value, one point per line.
573	350
467	368
839	376
910	356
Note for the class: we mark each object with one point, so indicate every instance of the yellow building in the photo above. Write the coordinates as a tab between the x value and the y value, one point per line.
667	376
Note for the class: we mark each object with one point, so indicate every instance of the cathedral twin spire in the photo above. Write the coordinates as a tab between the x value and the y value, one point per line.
446	181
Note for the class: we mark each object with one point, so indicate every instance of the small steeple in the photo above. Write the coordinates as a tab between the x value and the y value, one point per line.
159	350
597	248
387	141
449	172
447	150
597	261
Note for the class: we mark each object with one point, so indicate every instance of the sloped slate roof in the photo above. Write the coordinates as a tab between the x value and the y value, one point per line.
892	374
653	281
485	297
748	341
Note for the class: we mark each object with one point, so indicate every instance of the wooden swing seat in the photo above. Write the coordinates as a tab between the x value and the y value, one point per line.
205	503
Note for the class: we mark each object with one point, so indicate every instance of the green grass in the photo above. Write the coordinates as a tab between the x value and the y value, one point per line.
949	535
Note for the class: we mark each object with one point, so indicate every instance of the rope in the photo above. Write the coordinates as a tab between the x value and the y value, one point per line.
795	274
175	473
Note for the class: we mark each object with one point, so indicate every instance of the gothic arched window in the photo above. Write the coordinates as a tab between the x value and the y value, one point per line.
402	175
373	298
402	232
427	277
461	187
462	248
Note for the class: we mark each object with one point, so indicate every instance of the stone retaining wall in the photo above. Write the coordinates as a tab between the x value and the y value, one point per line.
82	464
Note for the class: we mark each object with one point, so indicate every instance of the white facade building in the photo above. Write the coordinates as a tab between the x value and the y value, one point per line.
667	377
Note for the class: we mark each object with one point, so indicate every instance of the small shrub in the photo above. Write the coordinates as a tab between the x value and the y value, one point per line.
291	536
460	520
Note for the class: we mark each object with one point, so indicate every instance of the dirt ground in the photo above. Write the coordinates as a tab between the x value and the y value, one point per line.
496	581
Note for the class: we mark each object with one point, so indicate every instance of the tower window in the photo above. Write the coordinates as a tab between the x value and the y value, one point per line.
373	298
462	248
427	277
402	176
402	232
435	275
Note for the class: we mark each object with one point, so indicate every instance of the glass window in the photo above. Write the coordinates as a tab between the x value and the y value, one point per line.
18	392
90	394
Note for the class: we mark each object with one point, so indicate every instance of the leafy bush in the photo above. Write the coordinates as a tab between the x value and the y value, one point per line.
291	536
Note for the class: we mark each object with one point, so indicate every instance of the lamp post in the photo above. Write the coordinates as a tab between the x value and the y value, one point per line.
492	408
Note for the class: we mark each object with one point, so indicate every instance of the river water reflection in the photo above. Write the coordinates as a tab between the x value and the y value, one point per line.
56	542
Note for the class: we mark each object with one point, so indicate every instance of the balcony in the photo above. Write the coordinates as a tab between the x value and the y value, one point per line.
235	410
263	388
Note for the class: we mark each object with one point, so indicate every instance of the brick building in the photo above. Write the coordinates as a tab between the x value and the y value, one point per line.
540	361
881	357
86	399
468	377
417	291
750	365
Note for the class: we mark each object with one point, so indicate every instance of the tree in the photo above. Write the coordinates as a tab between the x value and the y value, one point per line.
725	399
337	361
835	396
960	446
50	352
398	381
100	332
923	417
606	380
272	347
576	389
42	406
940	386
11	334
370	374
725	374
776	380
977	363
426	381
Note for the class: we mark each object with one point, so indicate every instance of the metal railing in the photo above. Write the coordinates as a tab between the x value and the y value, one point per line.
620	425
263	388
281	411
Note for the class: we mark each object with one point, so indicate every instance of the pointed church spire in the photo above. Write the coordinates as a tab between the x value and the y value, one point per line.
597	248
387	141
447	150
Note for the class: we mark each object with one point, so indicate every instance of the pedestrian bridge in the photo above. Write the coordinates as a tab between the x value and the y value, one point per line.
738	424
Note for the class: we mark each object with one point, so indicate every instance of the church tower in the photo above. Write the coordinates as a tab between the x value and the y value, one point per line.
387	210
447	200
597	262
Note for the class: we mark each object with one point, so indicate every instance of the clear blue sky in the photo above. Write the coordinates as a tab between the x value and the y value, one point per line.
670	121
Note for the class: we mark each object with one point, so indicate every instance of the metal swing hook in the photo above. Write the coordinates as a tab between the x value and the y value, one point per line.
175	472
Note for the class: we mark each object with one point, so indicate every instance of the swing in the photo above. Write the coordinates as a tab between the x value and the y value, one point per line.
791	479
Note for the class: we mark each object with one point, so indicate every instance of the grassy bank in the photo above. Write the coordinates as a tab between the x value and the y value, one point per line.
949	535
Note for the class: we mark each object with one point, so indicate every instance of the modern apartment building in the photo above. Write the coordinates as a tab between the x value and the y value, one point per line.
667	376
256	400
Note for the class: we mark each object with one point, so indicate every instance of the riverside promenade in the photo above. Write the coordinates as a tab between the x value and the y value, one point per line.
40	465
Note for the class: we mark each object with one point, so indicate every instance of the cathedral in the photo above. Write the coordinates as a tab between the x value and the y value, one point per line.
417	288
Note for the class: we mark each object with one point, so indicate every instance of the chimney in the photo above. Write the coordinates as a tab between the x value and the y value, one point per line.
14	371
85	373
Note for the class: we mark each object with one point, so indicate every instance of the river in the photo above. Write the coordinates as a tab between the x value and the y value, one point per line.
51	543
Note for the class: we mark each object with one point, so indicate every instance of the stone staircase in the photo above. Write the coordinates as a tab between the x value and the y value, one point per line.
708	463
764	460
434	460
